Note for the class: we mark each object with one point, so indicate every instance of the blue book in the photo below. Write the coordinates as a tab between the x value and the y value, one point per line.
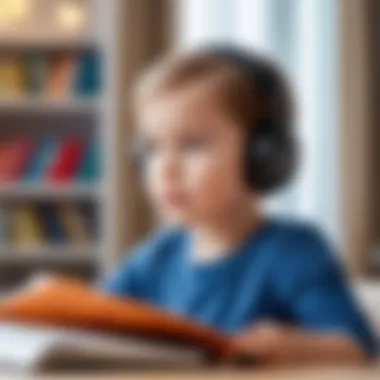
51	223
44	155
87	76
89	167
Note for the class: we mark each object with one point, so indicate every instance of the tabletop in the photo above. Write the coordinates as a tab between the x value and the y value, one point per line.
333	373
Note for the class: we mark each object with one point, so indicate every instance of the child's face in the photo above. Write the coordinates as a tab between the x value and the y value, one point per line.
193	169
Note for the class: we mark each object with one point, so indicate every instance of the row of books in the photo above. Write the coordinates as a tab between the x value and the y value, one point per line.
34	225
56	76
49	159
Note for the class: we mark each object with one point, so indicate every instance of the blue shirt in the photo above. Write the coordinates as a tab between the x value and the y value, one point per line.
283	272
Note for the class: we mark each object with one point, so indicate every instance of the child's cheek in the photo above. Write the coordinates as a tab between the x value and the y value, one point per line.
155	179
209	180
214	181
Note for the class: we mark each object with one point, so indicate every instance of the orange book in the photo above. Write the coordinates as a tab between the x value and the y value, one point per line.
65	303
61	75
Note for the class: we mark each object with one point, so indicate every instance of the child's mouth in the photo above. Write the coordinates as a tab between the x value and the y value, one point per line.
175	199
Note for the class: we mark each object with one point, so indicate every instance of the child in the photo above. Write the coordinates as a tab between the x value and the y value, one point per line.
214	132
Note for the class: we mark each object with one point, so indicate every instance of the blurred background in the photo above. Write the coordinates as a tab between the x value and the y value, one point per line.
70	201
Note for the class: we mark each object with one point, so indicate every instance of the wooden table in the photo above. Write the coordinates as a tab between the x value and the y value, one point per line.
372	373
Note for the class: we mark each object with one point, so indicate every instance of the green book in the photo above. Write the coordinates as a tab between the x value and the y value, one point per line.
36	73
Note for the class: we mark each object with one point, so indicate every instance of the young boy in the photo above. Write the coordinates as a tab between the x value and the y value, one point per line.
215	135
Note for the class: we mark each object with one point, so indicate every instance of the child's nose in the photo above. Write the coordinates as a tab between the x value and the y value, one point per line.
170	167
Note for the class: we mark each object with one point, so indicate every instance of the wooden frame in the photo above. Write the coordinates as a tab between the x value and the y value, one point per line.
357	181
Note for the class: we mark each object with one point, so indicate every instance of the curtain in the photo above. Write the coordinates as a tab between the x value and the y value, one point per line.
302	36
143	32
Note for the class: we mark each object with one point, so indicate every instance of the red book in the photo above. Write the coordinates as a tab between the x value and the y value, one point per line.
67	160
14	159
5	149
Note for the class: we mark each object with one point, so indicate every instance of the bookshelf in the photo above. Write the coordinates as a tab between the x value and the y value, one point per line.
46	105
41	192
43	41
54	254
42	115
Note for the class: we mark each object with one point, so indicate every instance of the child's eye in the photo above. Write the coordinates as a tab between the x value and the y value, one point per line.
192	144
147	148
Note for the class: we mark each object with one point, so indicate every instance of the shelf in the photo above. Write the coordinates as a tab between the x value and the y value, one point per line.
30	191
47	42
48	254
43	104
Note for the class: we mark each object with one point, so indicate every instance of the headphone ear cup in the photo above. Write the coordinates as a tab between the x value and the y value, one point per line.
271	157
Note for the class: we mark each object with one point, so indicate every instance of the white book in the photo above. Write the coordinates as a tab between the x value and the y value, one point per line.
31	348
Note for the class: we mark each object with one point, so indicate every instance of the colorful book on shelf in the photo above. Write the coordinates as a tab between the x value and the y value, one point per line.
88	212
87	74
44	153
4	218
51	223
60	75
15	159
26	229
89	167
74	224
6	147
67	160
36	67
12	76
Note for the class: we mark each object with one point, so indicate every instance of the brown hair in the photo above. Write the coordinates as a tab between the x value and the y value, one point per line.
230	82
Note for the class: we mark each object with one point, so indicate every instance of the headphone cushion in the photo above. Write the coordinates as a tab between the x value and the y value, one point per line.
271	157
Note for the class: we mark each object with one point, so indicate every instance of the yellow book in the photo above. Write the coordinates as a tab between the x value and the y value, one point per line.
12	76
73	224
26	228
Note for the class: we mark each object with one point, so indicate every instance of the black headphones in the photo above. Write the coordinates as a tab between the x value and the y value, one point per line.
271	152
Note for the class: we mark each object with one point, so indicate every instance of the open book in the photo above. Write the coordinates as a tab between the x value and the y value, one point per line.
63	324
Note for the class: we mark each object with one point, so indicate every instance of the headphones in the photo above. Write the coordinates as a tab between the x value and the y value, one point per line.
270	155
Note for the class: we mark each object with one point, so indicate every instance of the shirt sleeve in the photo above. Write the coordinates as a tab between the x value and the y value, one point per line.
316	293
125	280
137	275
